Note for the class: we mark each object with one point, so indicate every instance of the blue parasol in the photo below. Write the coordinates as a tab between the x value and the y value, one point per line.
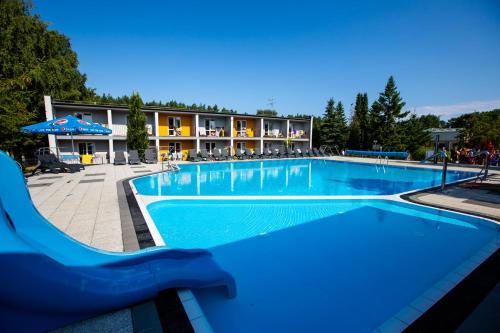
66	125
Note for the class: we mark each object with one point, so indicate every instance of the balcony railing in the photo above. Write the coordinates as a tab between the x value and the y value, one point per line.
275	133
121	130
247	133
213	132
298	134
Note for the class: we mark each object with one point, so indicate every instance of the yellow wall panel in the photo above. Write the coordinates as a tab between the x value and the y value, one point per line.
186	124
250	127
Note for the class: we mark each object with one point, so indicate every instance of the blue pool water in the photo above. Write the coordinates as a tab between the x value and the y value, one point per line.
319	266
291	177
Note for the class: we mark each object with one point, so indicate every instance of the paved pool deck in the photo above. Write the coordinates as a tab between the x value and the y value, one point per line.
85	205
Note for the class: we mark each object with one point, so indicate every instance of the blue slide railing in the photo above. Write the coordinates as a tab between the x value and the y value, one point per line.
49	280
397	154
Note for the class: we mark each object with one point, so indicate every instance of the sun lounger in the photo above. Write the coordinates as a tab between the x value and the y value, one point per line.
323	152
120	158
267	153
309	152
257	153
151	155
44	166
276	153
316	152
133	157
225	155
216	154
50	280
204	155
239	155
281	152
193	156
51	162
289	153
299	153
249	153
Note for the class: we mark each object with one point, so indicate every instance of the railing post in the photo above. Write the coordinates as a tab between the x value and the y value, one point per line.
445	168
486	164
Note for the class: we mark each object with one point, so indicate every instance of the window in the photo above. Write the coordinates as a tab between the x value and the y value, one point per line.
86	148
241	145
268	128
210	127
175	150
241	127
210	146
175	147
174	126
84	116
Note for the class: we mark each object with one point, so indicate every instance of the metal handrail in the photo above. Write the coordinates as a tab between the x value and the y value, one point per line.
171	163
381	160
483	173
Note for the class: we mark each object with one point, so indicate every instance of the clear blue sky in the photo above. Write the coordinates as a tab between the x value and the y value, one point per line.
444	55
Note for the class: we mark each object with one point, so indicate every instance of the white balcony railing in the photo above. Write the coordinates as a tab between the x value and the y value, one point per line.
121	130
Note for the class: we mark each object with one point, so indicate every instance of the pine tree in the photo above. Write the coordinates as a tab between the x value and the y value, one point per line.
137	135
385	114
358	131
334	126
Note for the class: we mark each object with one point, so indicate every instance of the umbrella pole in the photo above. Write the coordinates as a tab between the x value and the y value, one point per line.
72	146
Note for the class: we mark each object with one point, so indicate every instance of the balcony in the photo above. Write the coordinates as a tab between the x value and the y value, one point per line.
217	132
121	130
275	133
247	132
298	134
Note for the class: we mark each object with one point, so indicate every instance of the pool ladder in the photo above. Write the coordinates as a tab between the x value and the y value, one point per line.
382	161
168	163
483	173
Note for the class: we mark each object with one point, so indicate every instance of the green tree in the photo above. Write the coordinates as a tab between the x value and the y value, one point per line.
431	121
267	112
34	61
334	126
358	130
413	134
478	128
137	135
317	139
385	114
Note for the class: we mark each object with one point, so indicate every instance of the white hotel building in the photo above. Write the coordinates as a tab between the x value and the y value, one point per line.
177	129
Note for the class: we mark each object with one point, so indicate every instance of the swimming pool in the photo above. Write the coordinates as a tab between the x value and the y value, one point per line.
295	177
316	264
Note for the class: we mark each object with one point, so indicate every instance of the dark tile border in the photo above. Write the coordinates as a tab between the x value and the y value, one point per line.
458	304
39	185
49	177
170	314
85	181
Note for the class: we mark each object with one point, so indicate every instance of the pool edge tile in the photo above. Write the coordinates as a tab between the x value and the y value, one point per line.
408	315
393	325
422	304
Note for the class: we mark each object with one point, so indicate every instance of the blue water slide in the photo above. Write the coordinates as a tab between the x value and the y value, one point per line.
48	280
398	154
